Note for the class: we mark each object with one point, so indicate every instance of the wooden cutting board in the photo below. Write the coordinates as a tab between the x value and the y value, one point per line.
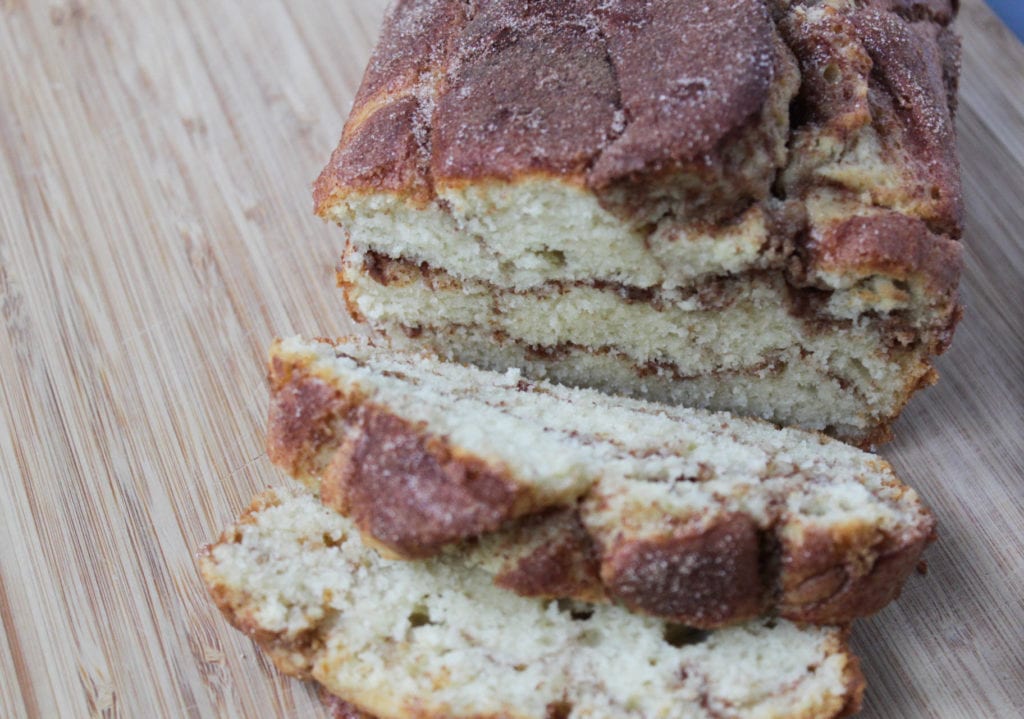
156	233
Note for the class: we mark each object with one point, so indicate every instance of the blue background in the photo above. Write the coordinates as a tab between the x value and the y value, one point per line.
1012	13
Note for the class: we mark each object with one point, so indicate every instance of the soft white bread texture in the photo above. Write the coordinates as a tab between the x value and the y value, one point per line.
436	640
749	206
689	515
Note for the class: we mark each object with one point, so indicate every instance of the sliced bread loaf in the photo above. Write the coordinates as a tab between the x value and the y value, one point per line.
436	640
751	205
688	515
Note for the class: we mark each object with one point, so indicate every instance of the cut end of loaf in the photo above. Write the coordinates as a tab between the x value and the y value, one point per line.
818	356
604	225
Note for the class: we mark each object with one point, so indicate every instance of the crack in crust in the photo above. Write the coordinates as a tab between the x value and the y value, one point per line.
412	493
874	116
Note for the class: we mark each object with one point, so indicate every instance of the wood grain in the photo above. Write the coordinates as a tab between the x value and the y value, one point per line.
156	233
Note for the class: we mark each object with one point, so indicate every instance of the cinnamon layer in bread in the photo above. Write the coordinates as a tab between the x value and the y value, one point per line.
832	328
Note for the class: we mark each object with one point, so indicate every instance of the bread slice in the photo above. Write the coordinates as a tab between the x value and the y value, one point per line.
435	639
697	517
751	205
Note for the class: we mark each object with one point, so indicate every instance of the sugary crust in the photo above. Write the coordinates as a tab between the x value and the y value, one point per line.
700	136
923	267
684	40
411	493
384	146
706	575
515	90
480	101
908	63
824	575
939	11
888	244
306	419
413	43
383	156
502	112
874	79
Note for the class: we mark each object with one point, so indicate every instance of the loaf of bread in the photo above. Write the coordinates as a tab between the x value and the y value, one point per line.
684	514
436	640
751	205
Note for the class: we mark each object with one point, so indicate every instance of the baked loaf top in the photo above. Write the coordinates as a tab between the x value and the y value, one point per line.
505	89
435	640
662	108
689	515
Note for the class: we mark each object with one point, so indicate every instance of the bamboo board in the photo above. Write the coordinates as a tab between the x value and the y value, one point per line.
156	233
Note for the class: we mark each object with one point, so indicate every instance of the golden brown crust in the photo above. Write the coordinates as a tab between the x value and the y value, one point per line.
555	88
412	493
385	145
869	74
704	575
306	416
479	97
413	42
384	155
908	64
529	90
905	252
888	244
840	573
701	135
699	93
834	70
